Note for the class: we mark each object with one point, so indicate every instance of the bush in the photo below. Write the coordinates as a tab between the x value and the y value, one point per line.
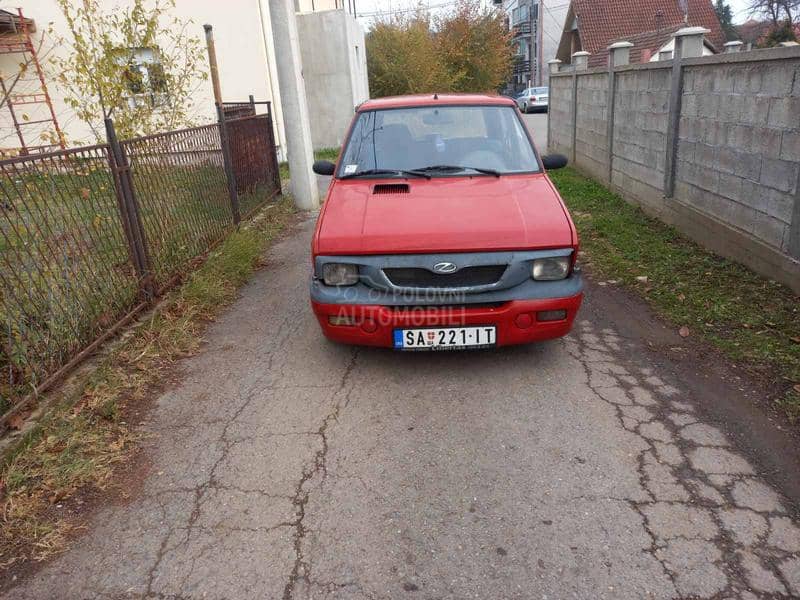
468	50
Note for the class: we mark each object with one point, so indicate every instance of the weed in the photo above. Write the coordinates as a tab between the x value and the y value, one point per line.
748	317
78	444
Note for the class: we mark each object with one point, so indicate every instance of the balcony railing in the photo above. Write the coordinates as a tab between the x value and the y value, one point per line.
522	66
521	29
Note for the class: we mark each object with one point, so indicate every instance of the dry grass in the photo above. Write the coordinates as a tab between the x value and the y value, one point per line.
78	444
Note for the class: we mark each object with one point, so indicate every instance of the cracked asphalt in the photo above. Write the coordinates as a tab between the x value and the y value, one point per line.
283	466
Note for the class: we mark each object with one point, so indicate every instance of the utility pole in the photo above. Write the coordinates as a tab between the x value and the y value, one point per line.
303	182
531	46
540	53
212	61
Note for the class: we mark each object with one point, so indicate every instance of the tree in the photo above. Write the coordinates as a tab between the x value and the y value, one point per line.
475	47
467	50
136	64
776	11
783	32
402	58
725	16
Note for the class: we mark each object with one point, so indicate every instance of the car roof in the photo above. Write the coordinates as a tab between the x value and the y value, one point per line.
433	100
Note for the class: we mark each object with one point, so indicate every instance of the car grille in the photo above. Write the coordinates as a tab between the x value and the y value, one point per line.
466	277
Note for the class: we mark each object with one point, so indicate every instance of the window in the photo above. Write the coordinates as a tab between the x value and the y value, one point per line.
144	76
489	137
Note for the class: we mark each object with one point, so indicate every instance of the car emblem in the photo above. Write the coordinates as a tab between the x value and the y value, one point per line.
444	267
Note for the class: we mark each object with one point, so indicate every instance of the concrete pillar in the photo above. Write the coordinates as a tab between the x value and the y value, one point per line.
735	46
553	65
689	41
620	54
581	60
303	183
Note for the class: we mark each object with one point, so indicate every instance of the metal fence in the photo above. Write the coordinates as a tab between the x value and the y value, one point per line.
89	236
253	159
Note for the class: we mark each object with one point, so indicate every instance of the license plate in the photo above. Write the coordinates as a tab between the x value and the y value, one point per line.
448	338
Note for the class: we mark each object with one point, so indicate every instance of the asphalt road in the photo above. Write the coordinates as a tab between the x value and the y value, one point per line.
537	125
284	466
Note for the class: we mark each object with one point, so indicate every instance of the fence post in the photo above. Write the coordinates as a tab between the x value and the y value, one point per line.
129	212
580	60
688	43
619	55
552	67
794	225
227	162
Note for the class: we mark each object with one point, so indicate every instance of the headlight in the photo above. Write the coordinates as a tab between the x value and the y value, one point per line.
339	274
550	269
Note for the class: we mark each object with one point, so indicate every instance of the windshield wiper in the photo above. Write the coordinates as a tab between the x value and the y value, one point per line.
413	173
458	168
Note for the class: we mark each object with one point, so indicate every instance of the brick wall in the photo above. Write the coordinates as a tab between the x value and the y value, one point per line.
736	181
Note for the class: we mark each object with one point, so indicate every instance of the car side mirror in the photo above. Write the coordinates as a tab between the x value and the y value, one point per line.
554	161
324	167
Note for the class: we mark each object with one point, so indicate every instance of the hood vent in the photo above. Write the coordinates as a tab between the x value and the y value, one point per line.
390	188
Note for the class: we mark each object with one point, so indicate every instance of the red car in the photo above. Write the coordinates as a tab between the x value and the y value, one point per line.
442	230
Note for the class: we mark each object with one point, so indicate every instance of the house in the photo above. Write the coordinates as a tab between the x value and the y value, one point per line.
592	26
536	28
331	43
753	32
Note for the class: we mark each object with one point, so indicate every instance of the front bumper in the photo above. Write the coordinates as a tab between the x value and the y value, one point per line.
374	316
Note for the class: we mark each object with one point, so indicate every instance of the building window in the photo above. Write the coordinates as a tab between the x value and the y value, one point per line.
144	76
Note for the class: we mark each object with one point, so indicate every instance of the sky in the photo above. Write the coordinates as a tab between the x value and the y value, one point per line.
367	8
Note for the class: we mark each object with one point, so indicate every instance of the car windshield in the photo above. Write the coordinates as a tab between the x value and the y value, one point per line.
438	141
539	90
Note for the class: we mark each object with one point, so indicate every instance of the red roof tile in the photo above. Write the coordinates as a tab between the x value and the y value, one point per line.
600	22
648	40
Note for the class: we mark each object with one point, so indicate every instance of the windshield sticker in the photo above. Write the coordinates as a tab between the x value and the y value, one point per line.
348	169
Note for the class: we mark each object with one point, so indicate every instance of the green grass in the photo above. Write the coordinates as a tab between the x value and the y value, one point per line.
749	318
331	154
80	441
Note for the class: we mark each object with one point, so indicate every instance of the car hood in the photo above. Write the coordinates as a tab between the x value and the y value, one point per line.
447	214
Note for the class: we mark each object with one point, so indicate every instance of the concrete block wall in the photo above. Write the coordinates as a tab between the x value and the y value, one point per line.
735	184
560	115
591	140
739	146
640	133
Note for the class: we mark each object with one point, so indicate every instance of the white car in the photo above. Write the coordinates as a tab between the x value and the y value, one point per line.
533	99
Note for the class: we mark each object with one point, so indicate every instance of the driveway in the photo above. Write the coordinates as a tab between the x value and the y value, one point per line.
597	466
537	125
283	466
